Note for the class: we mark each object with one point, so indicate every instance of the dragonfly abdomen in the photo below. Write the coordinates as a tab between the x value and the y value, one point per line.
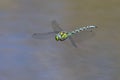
82	29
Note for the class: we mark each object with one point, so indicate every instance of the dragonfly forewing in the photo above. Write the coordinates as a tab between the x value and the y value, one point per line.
43	35
56	27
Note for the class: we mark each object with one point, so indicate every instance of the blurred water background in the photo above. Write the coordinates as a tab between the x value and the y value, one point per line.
24	58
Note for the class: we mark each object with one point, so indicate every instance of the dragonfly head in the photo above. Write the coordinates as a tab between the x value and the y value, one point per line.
57	37
61	36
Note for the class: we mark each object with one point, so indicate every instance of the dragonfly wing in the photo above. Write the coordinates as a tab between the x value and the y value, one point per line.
72	41
43	35
56	27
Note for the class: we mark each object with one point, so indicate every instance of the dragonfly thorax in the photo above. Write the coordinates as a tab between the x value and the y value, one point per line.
61	36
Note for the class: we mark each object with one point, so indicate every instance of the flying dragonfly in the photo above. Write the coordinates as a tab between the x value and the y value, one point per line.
60	34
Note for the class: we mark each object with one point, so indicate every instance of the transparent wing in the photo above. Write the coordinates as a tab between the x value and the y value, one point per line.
56	27
72	41
43	35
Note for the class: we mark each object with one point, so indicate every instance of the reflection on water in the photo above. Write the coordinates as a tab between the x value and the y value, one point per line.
24	58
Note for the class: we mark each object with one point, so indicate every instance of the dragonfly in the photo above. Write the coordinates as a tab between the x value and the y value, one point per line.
60	34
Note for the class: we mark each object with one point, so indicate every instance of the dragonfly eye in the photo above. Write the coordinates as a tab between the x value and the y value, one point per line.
61	33
57	38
